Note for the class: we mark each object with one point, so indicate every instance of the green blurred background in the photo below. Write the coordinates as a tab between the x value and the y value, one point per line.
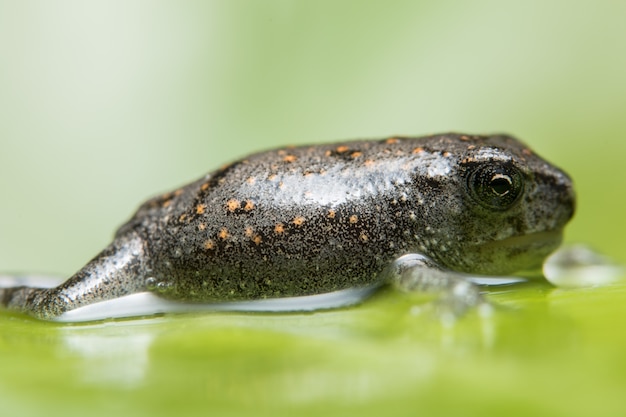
105	103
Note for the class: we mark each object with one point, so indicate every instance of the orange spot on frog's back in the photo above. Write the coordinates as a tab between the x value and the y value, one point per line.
223	233
249	205
232	205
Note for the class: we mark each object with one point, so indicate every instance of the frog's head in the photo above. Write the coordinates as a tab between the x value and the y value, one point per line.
514	206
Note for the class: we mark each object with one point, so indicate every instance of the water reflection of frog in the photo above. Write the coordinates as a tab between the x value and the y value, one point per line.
416	212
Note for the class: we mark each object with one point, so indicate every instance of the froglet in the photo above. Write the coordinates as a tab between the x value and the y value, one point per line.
420	213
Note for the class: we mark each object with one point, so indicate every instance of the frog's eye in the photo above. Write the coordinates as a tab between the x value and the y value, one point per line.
496	186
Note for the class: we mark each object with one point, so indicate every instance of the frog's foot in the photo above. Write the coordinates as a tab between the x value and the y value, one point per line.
116	271
456	293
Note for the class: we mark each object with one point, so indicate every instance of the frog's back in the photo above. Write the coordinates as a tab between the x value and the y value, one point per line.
297	221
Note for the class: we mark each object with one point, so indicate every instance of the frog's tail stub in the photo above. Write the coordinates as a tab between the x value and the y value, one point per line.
31	300
118	270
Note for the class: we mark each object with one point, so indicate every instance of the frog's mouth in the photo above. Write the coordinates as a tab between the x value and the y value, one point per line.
512	254
545	239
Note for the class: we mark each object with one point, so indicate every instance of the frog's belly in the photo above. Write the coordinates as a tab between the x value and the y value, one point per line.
146	303
149	304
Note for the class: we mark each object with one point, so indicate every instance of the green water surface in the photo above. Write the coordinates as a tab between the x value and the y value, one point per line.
543	352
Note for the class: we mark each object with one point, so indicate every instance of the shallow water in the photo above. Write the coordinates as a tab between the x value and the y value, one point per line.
392	350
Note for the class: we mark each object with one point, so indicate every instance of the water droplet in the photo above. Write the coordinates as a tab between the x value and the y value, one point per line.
163	286
151	283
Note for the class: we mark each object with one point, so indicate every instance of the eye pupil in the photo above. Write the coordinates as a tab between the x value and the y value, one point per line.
501	184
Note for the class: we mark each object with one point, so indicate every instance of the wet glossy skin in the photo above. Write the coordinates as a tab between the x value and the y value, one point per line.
316	219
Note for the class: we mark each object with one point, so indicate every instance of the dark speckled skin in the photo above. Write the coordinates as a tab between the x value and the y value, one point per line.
315	219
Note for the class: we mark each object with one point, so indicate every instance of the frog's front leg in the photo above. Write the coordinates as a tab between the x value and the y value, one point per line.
418	273
118	270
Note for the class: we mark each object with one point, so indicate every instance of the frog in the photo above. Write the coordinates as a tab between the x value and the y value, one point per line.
421	214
